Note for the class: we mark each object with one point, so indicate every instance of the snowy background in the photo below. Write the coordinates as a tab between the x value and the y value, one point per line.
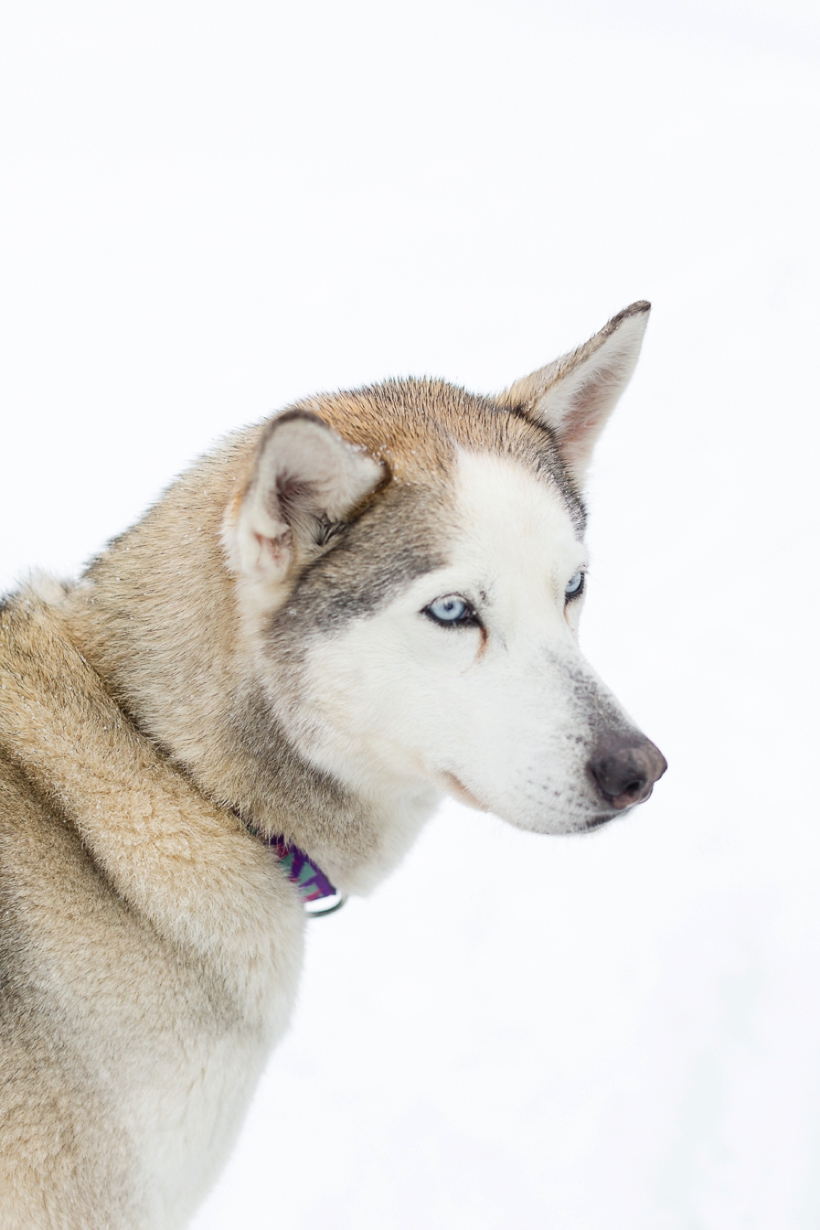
210	209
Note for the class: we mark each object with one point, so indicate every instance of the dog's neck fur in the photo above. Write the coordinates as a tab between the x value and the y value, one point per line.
173	658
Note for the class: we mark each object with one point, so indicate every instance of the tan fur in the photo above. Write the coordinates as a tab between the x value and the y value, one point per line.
125	878
150	943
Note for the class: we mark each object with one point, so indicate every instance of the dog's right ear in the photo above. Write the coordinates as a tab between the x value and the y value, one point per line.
305	482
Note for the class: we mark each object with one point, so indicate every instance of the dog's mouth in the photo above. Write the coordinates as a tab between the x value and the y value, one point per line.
453	786
598	821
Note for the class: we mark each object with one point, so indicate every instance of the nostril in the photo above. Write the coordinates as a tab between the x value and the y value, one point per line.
624	770
616	781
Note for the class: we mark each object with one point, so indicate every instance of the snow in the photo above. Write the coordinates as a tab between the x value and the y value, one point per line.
211	210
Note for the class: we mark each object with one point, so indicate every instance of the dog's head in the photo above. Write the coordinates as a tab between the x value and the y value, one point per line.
411	570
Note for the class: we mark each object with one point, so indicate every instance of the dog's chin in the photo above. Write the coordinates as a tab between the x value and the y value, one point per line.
555	824
565	824
557	827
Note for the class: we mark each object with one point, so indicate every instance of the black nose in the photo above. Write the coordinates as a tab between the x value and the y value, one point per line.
625	769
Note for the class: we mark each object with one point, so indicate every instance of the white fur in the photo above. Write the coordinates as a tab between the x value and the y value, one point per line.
511	737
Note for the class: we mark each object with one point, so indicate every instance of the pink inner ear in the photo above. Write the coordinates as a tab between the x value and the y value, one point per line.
274	551
589	406
575	395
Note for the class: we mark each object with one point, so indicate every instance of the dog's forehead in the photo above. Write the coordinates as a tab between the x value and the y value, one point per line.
464	472
421	427
511	517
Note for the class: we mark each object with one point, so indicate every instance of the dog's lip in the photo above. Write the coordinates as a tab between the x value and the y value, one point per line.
598	821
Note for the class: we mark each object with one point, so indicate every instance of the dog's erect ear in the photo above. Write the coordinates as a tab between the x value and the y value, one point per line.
575	395
306	482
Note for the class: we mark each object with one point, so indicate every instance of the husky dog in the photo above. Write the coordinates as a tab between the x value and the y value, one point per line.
265	686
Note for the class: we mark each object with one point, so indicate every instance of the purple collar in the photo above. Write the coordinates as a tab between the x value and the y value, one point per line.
317	893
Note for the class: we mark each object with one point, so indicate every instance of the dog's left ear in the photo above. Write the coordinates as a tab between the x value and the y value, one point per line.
306	481
575	395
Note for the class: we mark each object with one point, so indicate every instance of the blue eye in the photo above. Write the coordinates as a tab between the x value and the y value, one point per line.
451	610
575	587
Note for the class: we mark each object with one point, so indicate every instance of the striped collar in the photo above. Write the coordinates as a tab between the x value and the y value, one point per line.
316	891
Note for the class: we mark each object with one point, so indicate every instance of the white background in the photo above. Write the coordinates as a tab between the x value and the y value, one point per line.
212	208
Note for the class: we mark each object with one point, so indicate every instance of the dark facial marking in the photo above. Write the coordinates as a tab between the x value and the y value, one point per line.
369	563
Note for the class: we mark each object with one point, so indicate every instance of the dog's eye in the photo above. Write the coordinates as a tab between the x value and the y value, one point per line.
452	610
575	587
